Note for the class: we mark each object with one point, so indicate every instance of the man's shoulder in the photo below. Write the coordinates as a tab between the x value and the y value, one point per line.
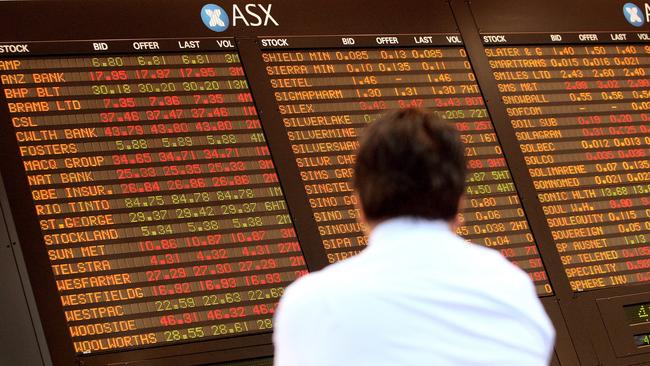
485	256
305	288
487	266
322	290
323	282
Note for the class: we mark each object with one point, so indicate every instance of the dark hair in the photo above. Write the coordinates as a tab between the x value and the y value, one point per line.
410	163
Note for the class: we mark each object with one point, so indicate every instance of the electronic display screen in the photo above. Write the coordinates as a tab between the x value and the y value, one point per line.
158	202
638	313
642	340
161	192
327	96
580	115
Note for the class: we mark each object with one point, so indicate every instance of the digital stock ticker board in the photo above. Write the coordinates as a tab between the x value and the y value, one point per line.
155	194
580	116
326	97
163	181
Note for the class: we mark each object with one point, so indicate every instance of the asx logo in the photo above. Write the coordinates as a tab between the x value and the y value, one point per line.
253	15
635	16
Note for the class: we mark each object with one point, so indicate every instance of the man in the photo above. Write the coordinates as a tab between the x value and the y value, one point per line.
418	294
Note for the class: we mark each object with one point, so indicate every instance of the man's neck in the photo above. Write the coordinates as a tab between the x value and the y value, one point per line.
453	224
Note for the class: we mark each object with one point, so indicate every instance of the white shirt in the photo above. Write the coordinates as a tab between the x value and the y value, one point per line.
418	295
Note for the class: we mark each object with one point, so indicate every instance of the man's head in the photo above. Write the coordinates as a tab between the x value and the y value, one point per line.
410	163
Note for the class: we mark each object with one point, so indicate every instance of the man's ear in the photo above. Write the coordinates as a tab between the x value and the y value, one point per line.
365	224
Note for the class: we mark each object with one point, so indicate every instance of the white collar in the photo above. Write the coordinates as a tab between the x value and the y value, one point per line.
398	228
